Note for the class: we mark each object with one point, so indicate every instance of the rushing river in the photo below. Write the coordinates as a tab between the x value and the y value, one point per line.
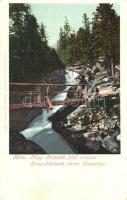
40	129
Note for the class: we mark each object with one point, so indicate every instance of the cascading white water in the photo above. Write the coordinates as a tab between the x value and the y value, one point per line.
40	129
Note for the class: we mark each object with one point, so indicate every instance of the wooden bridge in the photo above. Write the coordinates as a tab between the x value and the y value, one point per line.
35	95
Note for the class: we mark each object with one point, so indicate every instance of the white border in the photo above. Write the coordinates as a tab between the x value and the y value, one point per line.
30	183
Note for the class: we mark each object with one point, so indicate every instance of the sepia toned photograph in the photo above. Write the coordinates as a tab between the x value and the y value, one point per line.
64	78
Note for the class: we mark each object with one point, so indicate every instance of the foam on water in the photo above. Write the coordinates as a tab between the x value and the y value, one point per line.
40	129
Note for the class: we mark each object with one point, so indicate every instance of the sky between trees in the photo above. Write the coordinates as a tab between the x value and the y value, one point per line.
52	16
30	51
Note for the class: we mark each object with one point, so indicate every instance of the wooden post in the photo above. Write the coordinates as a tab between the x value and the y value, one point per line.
30	99
47	91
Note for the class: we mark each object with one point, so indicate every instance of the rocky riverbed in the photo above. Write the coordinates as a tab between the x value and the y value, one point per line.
94	128
89	138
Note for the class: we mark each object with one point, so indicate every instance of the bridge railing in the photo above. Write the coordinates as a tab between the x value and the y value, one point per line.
27	95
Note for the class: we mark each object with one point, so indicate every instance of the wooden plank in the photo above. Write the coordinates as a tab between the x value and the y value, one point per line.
43	84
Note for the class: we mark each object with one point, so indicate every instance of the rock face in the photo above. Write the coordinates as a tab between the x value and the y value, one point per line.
20	145
99	126
19	119
111	144
86	132
95	127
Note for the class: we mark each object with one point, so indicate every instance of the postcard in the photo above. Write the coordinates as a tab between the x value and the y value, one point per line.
63	97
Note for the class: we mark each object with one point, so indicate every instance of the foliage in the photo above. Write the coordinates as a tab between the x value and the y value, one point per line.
95	39
106	35
30	55
64	42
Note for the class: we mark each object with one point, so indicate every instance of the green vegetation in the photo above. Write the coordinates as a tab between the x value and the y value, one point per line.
88	116
94	40
30	55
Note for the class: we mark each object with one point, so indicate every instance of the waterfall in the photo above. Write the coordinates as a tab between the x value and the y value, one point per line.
40	129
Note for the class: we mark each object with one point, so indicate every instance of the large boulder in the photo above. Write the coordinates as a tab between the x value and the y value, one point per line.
18	144
110	144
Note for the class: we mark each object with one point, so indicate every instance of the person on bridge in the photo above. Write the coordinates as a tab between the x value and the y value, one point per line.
47	101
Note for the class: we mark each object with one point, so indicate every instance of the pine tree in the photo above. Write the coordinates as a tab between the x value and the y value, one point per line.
30	55
33	49
64	42
43	34
67	28
84	41
73	48
17	13
105	33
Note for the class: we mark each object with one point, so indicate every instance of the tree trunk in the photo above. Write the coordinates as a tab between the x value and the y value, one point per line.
112	68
